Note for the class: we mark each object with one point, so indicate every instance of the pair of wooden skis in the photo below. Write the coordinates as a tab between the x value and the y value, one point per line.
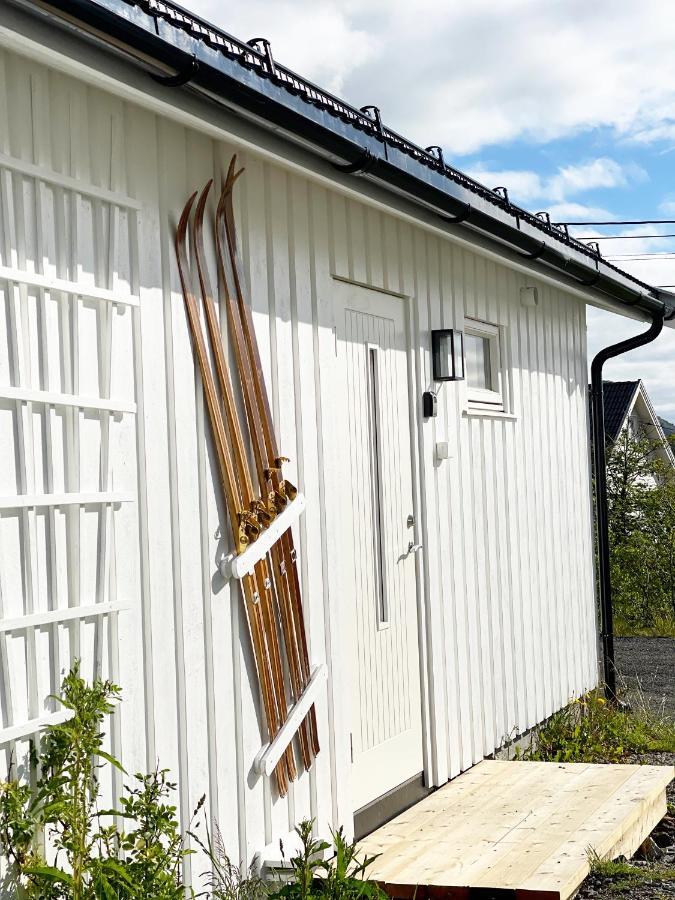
272	590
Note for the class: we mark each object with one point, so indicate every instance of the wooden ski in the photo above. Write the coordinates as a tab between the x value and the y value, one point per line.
268	460
264	513
245	520
269	505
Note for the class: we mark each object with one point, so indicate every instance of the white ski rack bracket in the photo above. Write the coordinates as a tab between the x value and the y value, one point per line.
269	755
236	566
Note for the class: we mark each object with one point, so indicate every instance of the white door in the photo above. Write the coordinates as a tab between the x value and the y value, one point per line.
380	581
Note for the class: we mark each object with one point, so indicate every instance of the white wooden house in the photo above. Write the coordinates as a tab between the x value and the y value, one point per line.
629	411
356	245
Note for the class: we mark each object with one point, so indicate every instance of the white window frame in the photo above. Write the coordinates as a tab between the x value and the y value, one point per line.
493	400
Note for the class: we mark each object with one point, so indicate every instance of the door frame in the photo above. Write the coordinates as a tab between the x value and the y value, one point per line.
342	710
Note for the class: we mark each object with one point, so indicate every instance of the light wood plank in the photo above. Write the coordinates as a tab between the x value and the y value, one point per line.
524	826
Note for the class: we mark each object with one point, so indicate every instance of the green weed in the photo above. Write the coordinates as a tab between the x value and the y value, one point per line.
340	877
662	626
88	859
592	730
227	881
624	875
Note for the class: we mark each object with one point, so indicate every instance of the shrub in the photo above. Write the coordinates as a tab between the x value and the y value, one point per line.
592	730
227	881
89	860
341	877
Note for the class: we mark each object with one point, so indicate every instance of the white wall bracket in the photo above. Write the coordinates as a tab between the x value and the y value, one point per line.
236	566
269	755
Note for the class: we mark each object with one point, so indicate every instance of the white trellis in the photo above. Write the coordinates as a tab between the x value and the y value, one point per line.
61	242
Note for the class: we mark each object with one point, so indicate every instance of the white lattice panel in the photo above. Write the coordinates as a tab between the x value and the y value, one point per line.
68	295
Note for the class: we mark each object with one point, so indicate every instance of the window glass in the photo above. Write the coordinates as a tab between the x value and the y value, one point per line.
477	357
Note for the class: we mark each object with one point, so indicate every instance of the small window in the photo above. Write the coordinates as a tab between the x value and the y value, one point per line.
485	378
477	361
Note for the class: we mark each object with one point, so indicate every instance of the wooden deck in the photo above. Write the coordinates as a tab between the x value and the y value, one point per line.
517	829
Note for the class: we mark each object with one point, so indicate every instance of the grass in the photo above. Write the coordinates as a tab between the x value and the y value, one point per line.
594	731
625	876
662	627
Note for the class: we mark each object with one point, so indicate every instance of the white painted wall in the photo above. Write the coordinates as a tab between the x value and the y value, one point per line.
507	610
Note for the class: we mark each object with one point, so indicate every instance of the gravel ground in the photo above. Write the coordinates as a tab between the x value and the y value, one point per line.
647	665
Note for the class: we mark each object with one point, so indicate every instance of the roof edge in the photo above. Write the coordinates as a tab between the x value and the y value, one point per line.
213	62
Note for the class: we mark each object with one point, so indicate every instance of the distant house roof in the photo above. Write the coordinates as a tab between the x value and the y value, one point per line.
618	397
356	142
626	399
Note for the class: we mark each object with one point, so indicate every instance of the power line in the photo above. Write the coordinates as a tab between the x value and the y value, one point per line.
641	256
622	237
624	222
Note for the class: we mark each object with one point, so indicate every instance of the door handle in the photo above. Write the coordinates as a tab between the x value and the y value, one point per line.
414	548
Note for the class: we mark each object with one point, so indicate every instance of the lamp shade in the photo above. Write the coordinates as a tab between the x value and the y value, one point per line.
447	354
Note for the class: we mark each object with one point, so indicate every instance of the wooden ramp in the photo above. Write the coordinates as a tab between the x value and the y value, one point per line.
517	830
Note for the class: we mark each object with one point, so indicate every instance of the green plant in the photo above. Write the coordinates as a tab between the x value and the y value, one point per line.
225	880
340	877
624	875
592	730
85	859
641	510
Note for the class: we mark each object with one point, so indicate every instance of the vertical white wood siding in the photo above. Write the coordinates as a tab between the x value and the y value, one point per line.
507	595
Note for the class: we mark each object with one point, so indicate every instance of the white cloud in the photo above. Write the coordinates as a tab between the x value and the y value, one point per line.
523	186
555	191
581	212
469	75
318	40
655	133
637	240
598	173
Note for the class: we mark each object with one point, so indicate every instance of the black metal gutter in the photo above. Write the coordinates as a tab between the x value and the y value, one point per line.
601	510
211	61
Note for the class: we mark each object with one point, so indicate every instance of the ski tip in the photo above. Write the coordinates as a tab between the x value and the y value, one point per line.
202	200
182	224
226	192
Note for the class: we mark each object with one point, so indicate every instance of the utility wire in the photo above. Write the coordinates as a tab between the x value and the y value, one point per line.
622	237
624	222
641	256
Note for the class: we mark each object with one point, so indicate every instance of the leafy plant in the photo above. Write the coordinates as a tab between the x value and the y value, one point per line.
85	859
340	877
225	880
641	509
592	730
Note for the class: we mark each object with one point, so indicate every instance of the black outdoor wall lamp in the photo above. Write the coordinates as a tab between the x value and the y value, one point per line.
447	354
447	364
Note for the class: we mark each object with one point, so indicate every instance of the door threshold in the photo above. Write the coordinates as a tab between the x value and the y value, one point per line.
384	808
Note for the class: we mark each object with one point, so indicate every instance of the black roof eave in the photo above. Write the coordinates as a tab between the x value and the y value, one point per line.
338	138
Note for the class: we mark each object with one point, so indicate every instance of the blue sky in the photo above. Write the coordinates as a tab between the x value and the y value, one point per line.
569	104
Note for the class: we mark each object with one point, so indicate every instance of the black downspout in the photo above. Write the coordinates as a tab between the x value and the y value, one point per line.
601	514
